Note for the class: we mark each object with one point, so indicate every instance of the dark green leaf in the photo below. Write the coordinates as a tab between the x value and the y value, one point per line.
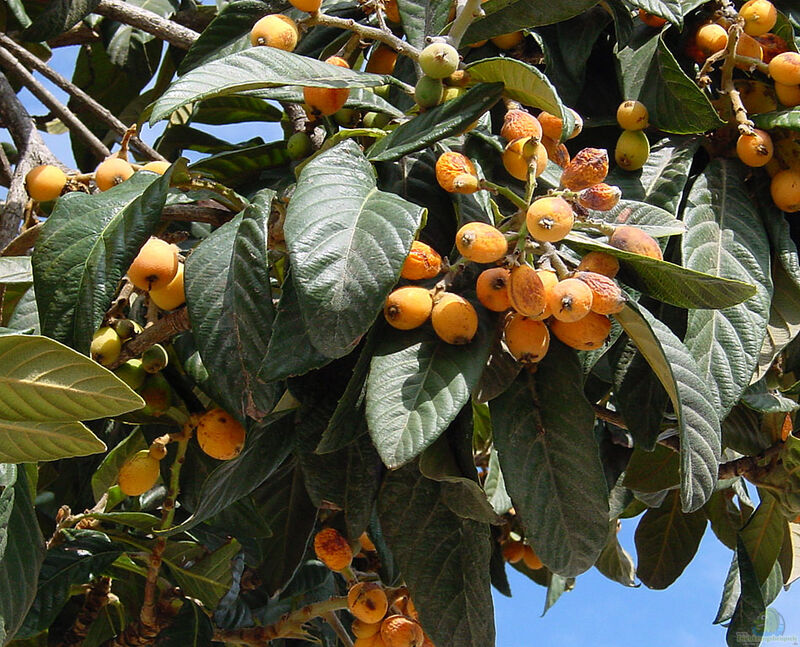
671	10
666	541
614	561
653	471
234	109
749	616
556	586
238	166
654	220
205	577
347	241
58	17
762	536
190	628
779	119
551	463
422	18
726	519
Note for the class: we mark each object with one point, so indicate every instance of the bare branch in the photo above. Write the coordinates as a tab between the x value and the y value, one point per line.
99	111
80	34
196	213
147	21
9	62
467	12
164	329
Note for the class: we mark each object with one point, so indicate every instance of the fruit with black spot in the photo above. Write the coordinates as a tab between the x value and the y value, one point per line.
111	172
154	266
439	60
481	242
526	339
332	549
422	262
401	631
45	182
632	151
491	288
587	168
607	296
173	294
600	197
455	173
367	601
550	219
138	474
408	307
520	123
275	30
636	241
157	395
106	346
454	319
220	435
785	190
633	115
570	300
755	150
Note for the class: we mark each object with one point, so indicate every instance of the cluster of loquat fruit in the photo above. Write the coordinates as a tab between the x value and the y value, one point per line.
382	616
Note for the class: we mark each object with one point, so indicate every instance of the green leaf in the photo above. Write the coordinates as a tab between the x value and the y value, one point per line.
614	561
254	68
551	462
654	220
668	282
44	381
206	579
671	10
82	555
421	18
791	543
85	248
653	471
505	16
523	83
450	118
190	628
58	17
762	536
495	486
30	442
556	587
789	119
234	110
26	315
106	474
359	99
725	517
138	520
692	400
21	550
666	541
417	384
347	242
443	559
725	237
239	166
15	269
750	613
653	76
230	307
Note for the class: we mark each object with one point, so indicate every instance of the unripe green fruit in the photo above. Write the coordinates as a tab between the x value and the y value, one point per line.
132	373
452	93
155	359
106	346
157	395
375	120
428	92
439	60
126	328
346	117
298	146
632	150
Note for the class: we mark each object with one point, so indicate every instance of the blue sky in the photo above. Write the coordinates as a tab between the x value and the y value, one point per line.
597	612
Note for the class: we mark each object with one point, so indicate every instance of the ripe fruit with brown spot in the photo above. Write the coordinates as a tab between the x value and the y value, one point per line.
526	339
408	307
172	295
422	262
711	38
155	265
481	242
520	154
600	197
401	631
633	115
632	151
513	551
634	240
327	101
607	297
111	172
158	166
570	300
755	150
550	219
491	288
382	60
309	6
138	474
45	182
454	319
587	168
275	30
556	151
772	45
785	68
450	169
367	602
332	549
759	16
588	333
520	123
363	630
106	346
601	263
531	559
439	60
220	435
526	291
785	190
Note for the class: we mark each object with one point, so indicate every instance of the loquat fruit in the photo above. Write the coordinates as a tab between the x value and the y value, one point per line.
749	47
520	123
601	263
391	10
132	373
332	549
45	182
548	279
507	41
635	241
785	190
600	197
759	16
111	172
366	542
309	6
172	295
526	291
785	68
788	95
481	242
439	60
157	166
157	395
428	92
408	307
220	435
755	150
327	101
401	631
551	125
550	219
521	154
526	339
711	38
633	115
531	559
106	346
587	168
454	319
155	266
363	630
607	297
367	602
298	145
422	262
512	551
570	300
382	60
556	151
275	30
451	167
138	474
632	150
155	358
588	333
771	45
491	288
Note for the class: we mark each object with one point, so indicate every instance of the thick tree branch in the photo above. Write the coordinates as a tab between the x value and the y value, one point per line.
80	34
10	63
164	329
99	111
97	597
371	33
147	21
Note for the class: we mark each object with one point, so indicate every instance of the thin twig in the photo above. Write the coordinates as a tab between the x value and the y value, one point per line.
10	63
469	11
98	110
147	21
739	111
551	253
371	33
164	329
5	168
333	620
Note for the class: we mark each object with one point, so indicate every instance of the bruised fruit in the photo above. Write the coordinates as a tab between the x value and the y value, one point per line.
519	123
155	265
132	373
755	150
759	16
772	45
158	166
172	295
526	291
454	319
111	172
367	602
45	182
275	30
332	549
408	307
522	154
327	101
481	242
556	151
607	297
138	474
551	125
422	262
785	190
550	219
632	150
526	339
785	68
633	115
587	168
401	631
220	435
106	346
451	167
634	240
157	395
155	359
428	92
588	333
600	197
570	300
601	263
491	288
512	551
531	559
439	60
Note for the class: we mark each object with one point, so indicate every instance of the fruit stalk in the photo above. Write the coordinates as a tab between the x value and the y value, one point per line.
739	111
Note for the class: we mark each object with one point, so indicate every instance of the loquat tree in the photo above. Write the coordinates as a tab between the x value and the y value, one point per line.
577	219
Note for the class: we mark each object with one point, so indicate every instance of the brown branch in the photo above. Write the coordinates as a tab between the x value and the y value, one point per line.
6	173
164	329
97	597
10	63
80	34
147	21
739	111
96	109
196	213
